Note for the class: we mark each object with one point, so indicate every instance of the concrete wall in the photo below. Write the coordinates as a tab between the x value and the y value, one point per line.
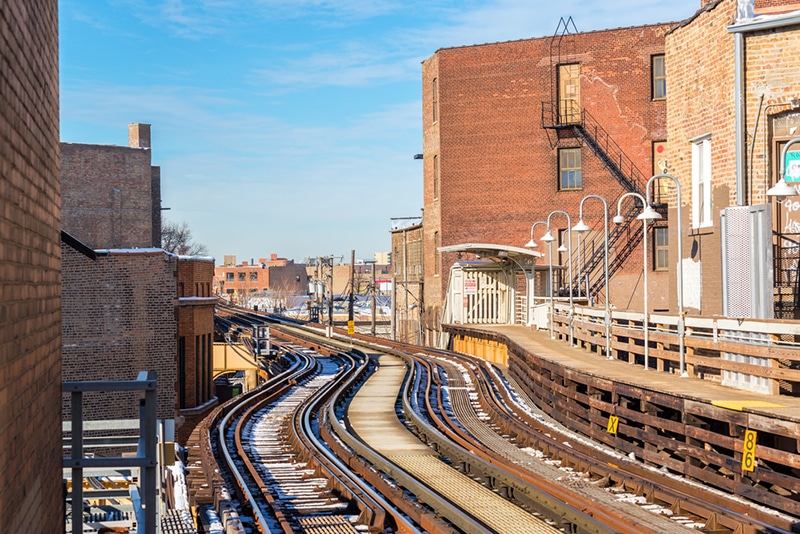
30	260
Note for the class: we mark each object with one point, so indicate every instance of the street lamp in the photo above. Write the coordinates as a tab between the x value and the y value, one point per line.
649	214
619	219
532	243
583	227
781	190
548	237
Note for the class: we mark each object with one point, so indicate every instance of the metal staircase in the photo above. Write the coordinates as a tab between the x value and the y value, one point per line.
566	117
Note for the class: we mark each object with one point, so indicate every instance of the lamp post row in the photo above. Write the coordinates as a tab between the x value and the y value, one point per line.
780	191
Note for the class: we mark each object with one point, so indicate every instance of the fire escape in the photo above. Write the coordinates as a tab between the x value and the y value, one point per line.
565	117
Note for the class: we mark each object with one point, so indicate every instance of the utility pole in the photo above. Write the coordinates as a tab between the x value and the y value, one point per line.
374	293
350	322
330	302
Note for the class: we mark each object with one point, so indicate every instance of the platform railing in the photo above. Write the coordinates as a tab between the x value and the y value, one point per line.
717	348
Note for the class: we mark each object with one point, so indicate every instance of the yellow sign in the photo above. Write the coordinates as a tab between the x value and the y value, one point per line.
351	327
613	423
749	451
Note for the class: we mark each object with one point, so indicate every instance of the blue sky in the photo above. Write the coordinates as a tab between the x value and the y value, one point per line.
287	126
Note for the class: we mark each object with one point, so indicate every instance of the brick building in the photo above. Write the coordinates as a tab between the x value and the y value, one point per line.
733	106
112	194
515	130
196	394
118	319
237	283
31	497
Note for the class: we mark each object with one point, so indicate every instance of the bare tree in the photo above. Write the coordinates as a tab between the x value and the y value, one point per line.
177	238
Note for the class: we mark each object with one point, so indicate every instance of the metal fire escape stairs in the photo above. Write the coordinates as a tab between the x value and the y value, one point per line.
568	120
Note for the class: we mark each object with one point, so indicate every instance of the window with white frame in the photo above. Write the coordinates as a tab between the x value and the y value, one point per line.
701	182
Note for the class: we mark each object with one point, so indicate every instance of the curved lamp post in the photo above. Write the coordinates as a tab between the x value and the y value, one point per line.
650	214
619	219
781	190
532	244
549	238
583	227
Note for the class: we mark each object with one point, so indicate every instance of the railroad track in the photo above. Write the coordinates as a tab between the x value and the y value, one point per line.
468	412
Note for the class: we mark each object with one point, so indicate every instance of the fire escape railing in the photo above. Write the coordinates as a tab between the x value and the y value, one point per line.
622	239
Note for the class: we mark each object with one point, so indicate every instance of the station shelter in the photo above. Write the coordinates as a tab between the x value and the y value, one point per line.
502	285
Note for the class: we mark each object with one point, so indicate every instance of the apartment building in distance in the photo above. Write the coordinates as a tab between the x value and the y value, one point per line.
236	283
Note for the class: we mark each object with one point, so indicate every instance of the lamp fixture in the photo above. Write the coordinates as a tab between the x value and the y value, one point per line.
649	214
562	248
581	227
781	190
531	244
618	219
548	237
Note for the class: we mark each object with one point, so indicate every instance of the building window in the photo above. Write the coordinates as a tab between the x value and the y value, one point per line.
569	168
435	90
660	248
701	182
229	292
254	276
435	177
436	244
659	76
241	277
229	277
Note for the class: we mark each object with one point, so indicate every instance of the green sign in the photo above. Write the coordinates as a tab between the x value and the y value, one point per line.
792	167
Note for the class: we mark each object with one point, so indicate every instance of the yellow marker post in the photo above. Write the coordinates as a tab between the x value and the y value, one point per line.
613	423
749	450
351	327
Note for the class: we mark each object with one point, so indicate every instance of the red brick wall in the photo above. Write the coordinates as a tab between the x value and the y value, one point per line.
119	319
30	292
108	199
498	167
195	327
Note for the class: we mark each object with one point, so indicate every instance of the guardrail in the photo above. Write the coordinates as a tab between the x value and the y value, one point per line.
145	505
754	354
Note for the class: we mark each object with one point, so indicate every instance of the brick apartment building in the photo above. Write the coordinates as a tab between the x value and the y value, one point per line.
515	130
734	103
238	282
31	498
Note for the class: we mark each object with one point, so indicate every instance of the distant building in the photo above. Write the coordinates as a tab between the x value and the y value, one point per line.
383	258
240	283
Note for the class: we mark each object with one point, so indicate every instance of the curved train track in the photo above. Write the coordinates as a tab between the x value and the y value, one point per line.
469	414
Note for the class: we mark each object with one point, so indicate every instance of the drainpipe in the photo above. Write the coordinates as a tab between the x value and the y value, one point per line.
738	99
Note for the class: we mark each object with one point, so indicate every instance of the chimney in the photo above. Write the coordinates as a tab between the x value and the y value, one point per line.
139	135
